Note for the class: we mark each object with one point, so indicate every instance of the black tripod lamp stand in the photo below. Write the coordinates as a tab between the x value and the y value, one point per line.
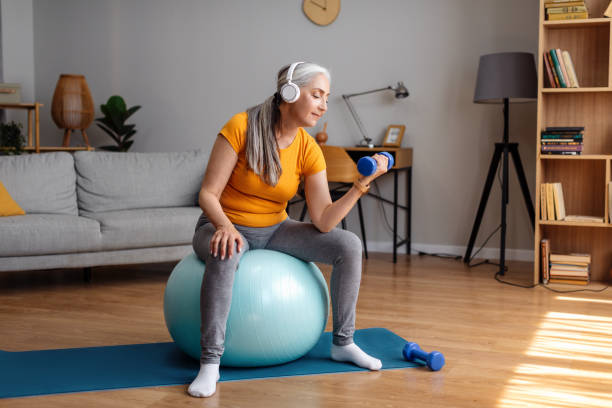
504	78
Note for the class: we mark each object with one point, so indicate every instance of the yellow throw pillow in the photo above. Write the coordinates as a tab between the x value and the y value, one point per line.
8	206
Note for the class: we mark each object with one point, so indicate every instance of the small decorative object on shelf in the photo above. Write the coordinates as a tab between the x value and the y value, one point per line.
12	140
113	123
72	107
608	12
321	137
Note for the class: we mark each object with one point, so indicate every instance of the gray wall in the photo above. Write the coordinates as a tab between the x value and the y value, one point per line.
192	64
18	50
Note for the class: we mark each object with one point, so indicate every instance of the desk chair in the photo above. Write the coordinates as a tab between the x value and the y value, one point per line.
341	169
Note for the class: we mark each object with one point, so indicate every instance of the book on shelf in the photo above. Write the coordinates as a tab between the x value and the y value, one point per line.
568	281
568	16
566	9
561	147
544	255
566	77
557	66
548	4
550	79
543	209
552	203
569	258
561	153
610	201
559	201
569	64
584	218
555	82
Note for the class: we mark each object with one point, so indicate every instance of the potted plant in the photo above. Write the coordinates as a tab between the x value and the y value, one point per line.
11	139
113	123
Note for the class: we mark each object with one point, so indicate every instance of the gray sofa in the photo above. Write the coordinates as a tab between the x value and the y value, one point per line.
99	208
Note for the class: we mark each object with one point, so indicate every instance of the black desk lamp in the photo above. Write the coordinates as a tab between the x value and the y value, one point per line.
504	78
400	92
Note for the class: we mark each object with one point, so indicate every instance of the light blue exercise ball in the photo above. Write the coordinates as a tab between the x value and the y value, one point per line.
279	308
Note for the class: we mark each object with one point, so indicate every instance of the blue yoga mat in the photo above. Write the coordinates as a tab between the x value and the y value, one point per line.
41	372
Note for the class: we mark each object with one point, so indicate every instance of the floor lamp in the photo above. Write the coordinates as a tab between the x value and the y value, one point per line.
400	92
504	78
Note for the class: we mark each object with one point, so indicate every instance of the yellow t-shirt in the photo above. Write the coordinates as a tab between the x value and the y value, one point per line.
247	200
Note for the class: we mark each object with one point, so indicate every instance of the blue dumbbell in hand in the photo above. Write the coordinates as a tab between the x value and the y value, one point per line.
367	165
434	360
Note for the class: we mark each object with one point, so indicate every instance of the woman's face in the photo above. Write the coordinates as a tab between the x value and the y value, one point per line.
312	104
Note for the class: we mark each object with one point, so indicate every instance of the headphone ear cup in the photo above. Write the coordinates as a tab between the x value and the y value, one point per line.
290	92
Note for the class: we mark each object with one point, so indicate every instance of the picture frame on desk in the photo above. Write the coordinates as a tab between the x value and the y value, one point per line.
394	135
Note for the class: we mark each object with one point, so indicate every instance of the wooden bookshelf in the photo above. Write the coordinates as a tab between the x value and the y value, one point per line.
585	178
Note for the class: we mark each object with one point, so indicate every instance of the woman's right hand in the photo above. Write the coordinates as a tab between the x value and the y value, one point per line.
222	241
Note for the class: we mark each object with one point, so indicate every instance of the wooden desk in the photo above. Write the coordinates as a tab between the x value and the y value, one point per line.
403	162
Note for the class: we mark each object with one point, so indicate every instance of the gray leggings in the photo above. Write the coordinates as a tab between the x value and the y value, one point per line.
340	248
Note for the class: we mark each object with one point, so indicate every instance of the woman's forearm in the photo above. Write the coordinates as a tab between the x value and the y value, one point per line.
336	211
209	203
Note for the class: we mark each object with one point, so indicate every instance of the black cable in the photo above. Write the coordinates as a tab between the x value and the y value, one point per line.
497	274
486	261
575	290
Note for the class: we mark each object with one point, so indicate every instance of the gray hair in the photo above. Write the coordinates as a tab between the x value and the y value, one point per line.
261	146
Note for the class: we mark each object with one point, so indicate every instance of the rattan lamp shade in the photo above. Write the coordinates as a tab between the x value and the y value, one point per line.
72	107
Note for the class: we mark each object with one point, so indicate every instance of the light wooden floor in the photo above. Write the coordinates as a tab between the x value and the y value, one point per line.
504	346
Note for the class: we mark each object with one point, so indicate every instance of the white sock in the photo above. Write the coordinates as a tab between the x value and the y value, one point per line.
205	384
352	353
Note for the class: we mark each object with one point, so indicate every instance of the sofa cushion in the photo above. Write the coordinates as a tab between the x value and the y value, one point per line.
8	206
148	227
43	234
41	183
111	181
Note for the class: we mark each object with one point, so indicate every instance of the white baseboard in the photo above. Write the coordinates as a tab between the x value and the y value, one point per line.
486	253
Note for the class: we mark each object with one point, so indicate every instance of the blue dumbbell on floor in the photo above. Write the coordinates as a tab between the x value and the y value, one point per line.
434	360
367	165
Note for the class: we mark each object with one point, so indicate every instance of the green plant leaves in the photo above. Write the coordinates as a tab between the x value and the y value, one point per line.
11	138
113	123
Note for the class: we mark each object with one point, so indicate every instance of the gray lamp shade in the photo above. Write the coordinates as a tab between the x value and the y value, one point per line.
503	75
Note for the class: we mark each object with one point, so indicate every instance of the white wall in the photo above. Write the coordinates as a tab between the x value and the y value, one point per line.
192	64
18	50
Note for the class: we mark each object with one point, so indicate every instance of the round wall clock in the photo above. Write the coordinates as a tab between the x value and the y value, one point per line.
321	12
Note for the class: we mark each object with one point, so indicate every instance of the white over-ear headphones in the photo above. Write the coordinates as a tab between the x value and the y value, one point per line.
290	92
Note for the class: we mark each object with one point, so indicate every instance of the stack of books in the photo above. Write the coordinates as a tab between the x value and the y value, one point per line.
565	10
559	69
571	269
562	140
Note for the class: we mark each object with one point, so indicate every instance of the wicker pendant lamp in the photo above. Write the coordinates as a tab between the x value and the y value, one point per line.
72	107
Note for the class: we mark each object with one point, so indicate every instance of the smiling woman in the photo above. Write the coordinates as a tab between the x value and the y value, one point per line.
255	167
